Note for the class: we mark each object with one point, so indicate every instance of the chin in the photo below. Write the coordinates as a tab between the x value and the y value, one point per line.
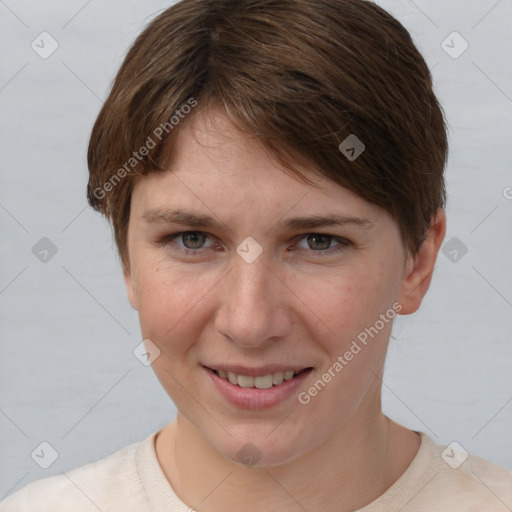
259	451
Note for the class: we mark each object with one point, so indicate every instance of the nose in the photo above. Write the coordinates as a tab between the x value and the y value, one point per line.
255	307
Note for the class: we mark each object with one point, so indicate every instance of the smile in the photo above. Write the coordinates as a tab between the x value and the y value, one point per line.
257	389
260	382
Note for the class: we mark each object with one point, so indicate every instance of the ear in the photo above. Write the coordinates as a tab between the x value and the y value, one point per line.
419	268
129	287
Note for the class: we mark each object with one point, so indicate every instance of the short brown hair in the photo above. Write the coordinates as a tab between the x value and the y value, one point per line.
301	76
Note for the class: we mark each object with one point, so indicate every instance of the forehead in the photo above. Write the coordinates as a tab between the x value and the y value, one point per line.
211	156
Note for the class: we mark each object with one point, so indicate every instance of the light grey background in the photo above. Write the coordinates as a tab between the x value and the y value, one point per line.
68	375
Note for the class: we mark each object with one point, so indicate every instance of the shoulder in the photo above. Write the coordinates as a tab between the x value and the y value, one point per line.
468	482
110	483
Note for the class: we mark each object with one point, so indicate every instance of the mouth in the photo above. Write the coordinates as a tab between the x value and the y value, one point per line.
267	381
257	389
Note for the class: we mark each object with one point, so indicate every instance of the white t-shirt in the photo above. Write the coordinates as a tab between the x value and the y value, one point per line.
131	480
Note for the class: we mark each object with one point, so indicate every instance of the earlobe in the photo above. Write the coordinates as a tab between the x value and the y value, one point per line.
129	287
419	269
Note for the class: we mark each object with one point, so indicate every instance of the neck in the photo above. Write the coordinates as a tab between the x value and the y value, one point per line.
350	470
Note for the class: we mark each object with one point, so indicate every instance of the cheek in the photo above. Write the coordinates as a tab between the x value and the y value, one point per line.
348	300
354	344
168	304
353	336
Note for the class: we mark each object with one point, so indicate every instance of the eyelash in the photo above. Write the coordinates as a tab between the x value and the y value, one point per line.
343	243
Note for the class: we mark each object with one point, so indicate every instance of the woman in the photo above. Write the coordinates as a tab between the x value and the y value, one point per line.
273	171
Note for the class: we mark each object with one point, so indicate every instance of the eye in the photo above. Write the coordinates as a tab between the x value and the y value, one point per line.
192	241
321	243
195	239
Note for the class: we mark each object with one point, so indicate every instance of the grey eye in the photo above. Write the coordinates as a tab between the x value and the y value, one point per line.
193	240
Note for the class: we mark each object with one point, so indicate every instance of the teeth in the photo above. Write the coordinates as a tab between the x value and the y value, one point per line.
262	382
245	381
277	378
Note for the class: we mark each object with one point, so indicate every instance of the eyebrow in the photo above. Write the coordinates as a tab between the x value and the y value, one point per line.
193	219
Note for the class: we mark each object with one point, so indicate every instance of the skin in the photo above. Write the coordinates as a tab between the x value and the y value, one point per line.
339	452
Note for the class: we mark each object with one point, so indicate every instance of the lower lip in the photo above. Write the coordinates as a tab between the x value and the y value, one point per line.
252	398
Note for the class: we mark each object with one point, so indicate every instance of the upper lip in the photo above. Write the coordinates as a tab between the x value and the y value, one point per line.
257	372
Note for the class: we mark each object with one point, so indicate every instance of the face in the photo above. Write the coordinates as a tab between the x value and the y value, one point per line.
272	303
